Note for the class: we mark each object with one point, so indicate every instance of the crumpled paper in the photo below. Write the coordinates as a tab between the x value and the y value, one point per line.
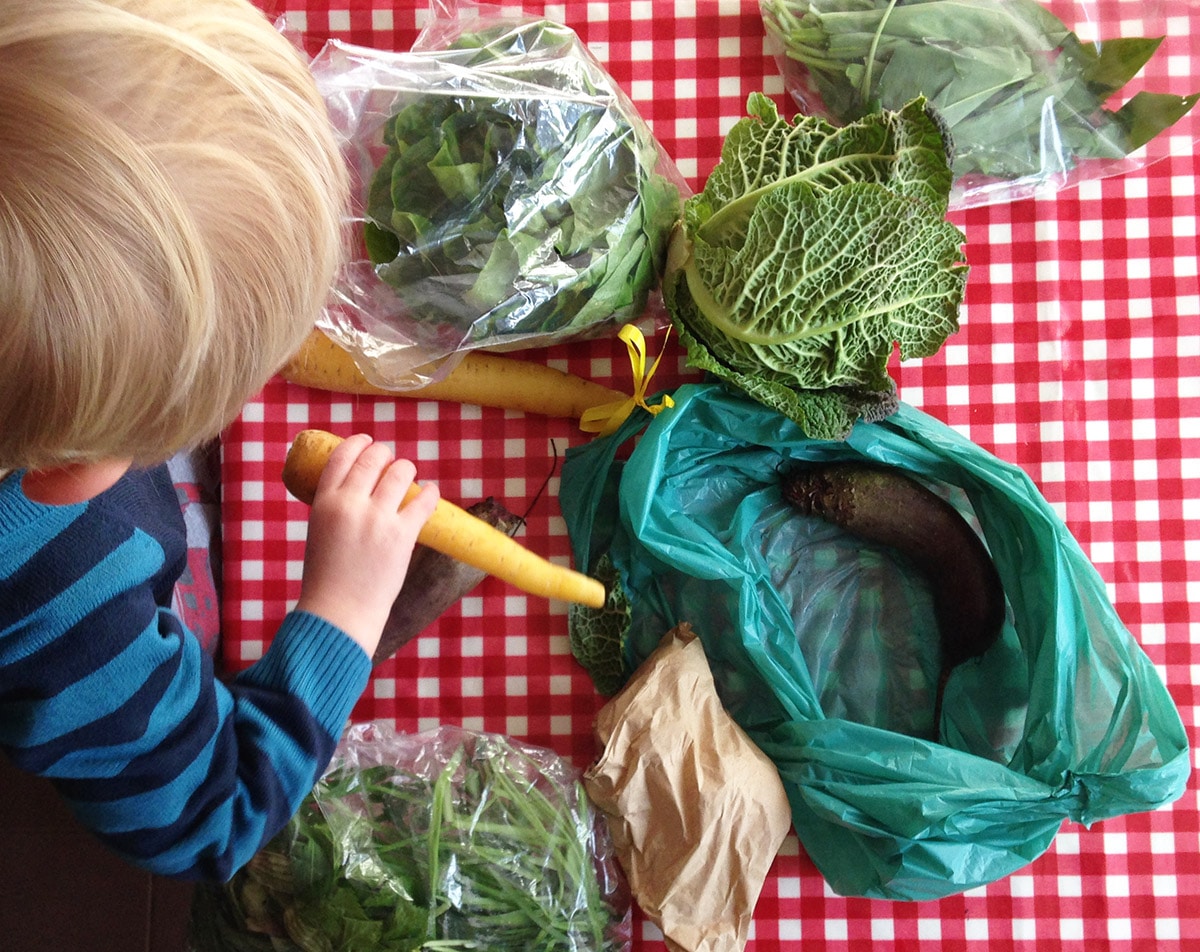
696	811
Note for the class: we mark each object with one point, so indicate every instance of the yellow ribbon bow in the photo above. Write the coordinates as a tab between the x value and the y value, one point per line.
607	417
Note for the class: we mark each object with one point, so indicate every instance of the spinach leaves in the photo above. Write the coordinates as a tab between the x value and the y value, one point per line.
1021	94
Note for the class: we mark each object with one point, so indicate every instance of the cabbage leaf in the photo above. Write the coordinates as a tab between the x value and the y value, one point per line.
811	253
598	636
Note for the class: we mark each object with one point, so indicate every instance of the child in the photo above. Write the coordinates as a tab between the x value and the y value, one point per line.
170	205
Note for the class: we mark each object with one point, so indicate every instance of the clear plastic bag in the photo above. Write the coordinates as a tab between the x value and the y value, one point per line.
473	839
1037	95
508	194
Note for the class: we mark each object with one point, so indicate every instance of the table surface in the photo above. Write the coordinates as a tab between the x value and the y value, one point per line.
1078	359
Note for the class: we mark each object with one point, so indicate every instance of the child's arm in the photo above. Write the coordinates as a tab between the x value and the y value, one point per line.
359	544
107	695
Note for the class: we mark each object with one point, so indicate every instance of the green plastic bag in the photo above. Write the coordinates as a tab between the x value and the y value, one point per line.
823	650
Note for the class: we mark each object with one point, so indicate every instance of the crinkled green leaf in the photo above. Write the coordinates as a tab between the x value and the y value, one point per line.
811	254
821	414
902	150
597	635
825	283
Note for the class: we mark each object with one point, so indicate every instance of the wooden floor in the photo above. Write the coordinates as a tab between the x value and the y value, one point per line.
61	891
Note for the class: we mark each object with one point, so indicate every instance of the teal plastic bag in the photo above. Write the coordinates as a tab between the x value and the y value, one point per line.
823	648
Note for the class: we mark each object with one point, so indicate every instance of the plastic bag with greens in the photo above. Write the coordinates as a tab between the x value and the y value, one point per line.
447	839
509	195
1033	102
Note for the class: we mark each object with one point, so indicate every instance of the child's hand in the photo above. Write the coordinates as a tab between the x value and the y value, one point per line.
360	538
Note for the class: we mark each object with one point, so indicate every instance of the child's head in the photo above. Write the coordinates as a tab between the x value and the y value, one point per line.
170	213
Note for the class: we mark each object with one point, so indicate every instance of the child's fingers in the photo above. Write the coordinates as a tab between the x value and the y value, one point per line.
365	470
369	468
394	482
392	493
422	505
341	460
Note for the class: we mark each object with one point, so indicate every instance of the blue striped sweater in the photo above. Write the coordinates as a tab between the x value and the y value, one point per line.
103	690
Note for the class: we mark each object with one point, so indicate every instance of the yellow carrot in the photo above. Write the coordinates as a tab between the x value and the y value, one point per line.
482	379
453	531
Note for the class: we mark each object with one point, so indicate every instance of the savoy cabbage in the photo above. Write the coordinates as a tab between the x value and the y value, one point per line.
813	251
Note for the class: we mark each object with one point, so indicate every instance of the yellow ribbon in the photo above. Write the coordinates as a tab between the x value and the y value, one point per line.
607	417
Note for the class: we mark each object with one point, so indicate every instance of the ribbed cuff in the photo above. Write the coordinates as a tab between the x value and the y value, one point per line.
318	663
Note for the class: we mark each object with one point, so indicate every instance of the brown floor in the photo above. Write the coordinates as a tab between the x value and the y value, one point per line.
61	891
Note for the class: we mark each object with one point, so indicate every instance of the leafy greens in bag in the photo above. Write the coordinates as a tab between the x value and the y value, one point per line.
1024	98
520	210
450	839
811	251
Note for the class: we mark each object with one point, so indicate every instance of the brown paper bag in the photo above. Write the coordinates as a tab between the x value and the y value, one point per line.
697	812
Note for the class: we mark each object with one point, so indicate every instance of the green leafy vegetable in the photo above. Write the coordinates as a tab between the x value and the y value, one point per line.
811	252
597	635
1022	95
527	212
486	849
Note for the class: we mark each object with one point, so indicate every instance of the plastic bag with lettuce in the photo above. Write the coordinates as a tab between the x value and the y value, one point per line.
509	194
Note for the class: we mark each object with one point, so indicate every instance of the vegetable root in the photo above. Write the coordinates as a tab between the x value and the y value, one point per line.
434	582
884	506
481	379
454	532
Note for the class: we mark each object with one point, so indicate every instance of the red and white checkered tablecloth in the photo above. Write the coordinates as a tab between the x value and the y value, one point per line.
1078	359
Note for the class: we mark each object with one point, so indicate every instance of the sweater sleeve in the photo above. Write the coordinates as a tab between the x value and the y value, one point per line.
217	769
276	726
104	692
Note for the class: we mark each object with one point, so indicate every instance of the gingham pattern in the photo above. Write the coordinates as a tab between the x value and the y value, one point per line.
1078	359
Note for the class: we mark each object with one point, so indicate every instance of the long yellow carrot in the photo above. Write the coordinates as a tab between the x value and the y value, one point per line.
482	379
454	532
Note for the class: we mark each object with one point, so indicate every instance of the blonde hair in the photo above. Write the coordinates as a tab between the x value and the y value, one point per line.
171	198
